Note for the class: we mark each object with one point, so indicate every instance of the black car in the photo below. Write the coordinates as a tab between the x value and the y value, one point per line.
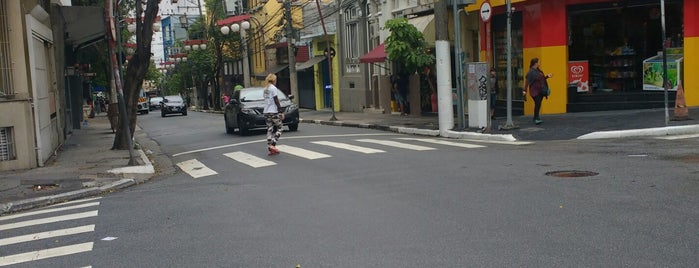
244	111
173	105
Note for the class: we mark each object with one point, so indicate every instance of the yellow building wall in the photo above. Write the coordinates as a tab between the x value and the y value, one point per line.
553	60
318	75
691	64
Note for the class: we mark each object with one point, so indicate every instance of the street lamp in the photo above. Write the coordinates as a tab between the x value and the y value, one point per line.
241	26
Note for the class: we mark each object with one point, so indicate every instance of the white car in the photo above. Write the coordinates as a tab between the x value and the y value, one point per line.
155	103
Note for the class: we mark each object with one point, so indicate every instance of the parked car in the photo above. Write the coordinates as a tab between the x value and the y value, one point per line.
173	105
154	103
244	111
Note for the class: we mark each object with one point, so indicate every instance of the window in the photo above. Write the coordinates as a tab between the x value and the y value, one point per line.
7	144
6	76
351	39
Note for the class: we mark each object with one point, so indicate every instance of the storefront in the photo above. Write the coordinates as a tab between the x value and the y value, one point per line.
615	41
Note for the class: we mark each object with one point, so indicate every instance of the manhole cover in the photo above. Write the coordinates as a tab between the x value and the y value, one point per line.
571	173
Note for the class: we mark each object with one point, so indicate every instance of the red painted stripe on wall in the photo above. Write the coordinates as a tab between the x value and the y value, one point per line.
545	24
691	23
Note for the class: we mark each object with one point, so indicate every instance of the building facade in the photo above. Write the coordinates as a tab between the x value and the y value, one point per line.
618	43
32	110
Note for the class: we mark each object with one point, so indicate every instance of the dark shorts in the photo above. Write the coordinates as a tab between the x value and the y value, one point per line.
399	98
493	100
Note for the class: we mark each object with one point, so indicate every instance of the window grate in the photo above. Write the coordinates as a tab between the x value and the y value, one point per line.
6	81
7	145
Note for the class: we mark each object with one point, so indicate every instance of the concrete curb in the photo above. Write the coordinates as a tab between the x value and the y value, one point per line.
147	168
418	131
645	132
63	197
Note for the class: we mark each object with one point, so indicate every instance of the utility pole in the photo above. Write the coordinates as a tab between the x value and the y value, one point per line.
293	84
329	56
444	102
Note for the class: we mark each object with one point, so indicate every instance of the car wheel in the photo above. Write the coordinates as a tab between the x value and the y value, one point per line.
184	113
146	112
242	130
162	114
293	127
229	130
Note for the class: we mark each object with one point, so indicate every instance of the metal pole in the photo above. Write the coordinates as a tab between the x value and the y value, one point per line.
117	78
246	63
461	122
665	81
330	61
509	124
293	82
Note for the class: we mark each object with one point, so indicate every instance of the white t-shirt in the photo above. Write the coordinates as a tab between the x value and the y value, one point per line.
269	94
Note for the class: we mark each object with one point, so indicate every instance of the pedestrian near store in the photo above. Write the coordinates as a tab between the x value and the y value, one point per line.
398	95
535	84
273	113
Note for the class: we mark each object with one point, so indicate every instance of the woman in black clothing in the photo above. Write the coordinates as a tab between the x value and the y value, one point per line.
536	82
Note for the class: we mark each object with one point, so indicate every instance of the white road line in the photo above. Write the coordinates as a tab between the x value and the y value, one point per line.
49	234
75	201
50	210
300	152
196	169
350	147
678	137
443	142
398	144
285	138
249	159
45	254
48	220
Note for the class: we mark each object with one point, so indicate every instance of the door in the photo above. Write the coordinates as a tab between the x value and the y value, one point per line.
44	98
307	92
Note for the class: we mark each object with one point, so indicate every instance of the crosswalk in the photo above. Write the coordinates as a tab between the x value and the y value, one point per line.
197	169
70	216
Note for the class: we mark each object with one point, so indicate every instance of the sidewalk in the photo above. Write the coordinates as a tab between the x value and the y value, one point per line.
83	166
624	123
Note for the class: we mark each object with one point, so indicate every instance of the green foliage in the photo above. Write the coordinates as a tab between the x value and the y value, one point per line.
407	46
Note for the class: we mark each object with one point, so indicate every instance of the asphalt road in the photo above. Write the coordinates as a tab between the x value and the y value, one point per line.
470	204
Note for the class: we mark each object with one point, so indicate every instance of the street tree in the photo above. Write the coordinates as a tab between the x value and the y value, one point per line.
406	46
137	68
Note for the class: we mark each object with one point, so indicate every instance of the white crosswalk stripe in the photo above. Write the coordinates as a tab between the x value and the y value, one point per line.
72	224
249	159
443	142
49	234
398	144
45	254
196	169
68	217
349	147
51	210
300	152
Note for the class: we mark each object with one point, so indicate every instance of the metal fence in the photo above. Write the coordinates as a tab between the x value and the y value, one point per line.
7	146
6	77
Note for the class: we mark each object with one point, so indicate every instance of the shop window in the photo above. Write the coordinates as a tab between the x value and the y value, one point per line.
6	76
499	29
7	144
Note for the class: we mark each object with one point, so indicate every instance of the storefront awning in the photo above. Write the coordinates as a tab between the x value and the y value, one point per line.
308	64
378	54
272	70
83	25
425	24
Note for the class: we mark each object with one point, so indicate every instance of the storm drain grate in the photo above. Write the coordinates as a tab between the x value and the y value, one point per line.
571	173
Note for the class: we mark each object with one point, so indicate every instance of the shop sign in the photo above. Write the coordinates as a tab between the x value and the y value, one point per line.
579	75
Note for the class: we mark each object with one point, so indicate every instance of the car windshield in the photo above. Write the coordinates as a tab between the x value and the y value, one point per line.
156	99
173	99
256	94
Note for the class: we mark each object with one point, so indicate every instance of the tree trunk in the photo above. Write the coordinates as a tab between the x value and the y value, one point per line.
137	69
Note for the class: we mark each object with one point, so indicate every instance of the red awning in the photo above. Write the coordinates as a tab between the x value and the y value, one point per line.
378	54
